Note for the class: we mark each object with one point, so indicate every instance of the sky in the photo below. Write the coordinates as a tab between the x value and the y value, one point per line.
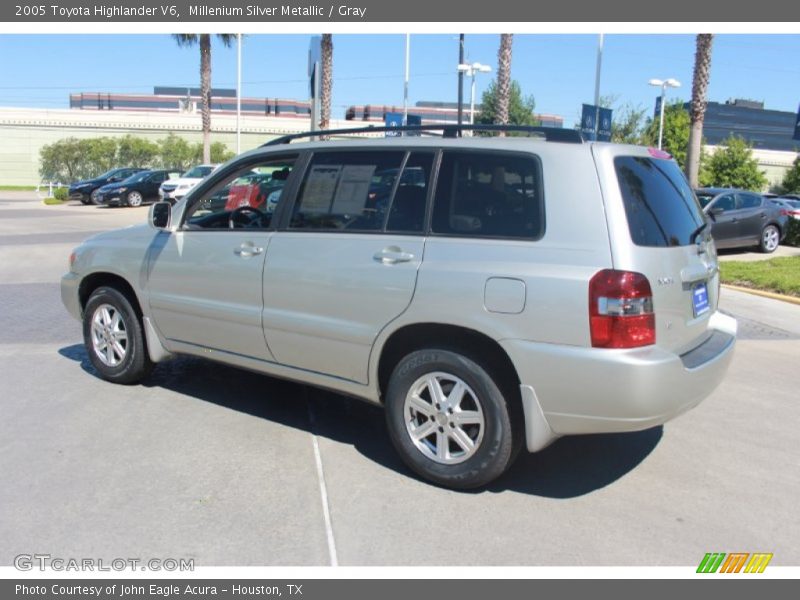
558	70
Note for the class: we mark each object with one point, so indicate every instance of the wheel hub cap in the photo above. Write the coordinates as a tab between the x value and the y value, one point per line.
444	418
109	335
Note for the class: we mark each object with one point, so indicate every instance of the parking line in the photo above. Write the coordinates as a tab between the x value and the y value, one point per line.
323	491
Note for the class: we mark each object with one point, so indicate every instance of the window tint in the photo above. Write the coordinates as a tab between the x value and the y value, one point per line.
749	201
347	190
246	199
407	213
660	206
488	195
726	202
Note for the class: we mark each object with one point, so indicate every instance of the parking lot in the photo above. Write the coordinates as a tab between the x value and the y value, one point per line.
220	465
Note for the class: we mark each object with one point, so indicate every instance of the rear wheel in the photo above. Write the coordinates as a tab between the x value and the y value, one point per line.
113	336
134	198
448	419
770	239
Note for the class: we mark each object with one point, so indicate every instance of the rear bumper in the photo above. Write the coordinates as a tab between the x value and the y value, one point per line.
578	390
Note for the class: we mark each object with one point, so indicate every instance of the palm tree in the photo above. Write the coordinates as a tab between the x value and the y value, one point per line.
326	80
204	41
702	67
504	79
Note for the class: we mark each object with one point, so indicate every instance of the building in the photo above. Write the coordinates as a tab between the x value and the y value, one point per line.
174	99
769	132
429	112
24	131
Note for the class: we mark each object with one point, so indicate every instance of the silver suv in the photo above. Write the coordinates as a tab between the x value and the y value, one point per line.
491	293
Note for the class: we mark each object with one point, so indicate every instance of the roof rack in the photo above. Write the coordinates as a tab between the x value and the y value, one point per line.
550	134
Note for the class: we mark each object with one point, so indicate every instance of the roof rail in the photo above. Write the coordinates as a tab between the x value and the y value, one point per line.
550	134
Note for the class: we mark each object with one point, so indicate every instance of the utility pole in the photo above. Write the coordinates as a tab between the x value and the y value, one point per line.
461	80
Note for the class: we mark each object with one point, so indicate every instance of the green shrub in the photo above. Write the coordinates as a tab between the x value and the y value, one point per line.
60	194
793	235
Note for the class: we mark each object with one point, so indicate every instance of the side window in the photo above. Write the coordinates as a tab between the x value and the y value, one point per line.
407	213
749	201
489	195
247	198
347	191
726	202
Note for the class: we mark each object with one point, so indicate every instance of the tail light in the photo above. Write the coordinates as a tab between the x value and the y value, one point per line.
621	310
785	212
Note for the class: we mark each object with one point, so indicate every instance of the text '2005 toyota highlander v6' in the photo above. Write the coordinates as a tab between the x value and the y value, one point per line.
492	293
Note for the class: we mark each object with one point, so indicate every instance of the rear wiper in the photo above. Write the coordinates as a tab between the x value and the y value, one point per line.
698	231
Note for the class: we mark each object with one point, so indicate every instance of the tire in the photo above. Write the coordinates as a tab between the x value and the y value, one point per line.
770	239
109	316
134	199
85	199
444	454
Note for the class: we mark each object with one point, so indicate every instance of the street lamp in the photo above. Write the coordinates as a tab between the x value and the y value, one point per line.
663	84
471	71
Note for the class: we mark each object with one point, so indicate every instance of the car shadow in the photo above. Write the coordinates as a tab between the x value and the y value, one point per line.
569	468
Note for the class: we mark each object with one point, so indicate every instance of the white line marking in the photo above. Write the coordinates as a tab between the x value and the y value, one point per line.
323	492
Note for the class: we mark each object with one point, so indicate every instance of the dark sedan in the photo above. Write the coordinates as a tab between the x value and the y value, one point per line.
741	218
83	190
134	191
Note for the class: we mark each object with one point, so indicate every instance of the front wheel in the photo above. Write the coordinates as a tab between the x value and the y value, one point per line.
113	336
448	419
770	239
134	198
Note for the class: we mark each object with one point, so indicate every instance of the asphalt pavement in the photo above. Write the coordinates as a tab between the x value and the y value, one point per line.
228	467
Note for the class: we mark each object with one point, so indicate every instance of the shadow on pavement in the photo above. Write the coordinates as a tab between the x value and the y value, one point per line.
571	467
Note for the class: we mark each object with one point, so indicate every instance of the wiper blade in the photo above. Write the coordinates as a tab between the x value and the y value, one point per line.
698	231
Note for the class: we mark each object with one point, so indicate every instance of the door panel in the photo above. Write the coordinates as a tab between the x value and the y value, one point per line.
205	289
328	295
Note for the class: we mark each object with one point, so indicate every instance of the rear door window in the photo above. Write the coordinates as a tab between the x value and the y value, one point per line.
347	191
662	211
481	194
749	201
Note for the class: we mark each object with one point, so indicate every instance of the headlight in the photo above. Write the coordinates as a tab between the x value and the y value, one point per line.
123	189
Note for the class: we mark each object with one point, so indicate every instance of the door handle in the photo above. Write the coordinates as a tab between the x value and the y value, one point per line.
392	255
248	250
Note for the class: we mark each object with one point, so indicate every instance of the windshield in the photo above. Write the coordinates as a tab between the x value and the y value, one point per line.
198	172
704	199
137	177
110	173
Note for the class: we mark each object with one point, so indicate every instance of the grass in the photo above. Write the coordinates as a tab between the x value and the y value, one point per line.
781	275
51	201
17	188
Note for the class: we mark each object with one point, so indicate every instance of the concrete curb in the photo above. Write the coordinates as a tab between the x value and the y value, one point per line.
772	295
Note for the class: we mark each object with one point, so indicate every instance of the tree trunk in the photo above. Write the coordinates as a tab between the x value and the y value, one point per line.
503	79
326	83
702	68
205	93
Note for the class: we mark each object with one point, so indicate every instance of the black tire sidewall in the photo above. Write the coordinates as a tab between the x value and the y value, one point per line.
136	363
496	450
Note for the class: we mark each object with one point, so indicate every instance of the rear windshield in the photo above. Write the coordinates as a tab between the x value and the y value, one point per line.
661	208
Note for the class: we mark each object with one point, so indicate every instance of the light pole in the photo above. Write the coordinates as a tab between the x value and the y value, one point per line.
238	93
663	84
471	71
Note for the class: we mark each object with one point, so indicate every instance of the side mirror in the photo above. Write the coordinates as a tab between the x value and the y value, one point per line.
160	215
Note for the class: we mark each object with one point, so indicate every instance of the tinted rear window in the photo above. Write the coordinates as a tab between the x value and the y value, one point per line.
661	208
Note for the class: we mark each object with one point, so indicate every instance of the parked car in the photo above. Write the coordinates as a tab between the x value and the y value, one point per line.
82	190
741	219
514	290
175	189
136	189
789	205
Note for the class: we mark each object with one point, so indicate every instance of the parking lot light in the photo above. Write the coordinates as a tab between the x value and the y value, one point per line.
663	84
